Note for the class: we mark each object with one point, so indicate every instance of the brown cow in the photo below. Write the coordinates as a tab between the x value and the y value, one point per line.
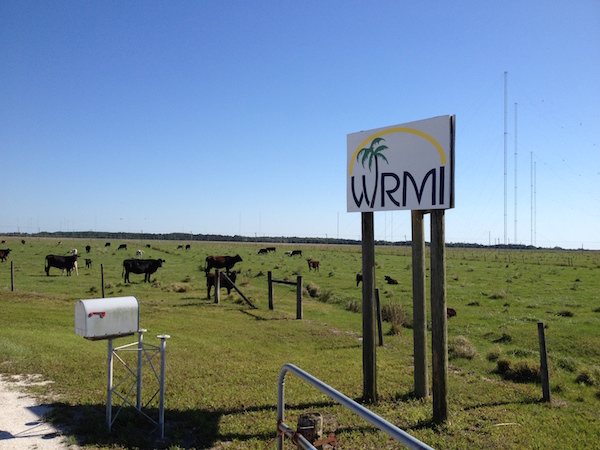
224	283
220	262
4	254
313	265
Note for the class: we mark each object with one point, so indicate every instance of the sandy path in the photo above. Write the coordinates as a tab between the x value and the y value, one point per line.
22	424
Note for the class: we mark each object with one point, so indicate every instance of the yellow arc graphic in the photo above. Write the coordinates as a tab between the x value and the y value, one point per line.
400	130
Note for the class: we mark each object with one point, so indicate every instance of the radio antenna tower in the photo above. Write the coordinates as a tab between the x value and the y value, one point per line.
505	157
516	242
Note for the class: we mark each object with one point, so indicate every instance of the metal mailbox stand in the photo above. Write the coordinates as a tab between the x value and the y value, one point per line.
143	350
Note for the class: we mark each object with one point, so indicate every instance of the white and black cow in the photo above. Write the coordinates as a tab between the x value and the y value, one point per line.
60	262
139	266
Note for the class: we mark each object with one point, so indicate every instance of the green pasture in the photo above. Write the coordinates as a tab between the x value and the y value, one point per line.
223	360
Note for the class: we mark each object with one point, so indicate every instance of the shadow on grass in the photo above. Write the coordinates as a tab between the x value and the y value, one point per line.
195	428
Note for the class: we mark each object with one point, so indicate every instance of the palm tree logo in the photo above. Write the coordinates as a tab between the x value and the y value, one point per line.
372	153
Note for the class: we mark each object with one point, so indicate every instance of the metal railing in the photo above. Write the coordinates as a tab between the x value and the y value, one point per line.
385	426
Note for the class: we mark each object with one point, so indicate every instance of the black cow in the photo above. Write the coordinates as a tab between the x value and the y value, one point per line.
88	263
87	248
224	283
180	247
390	280
313	264
23	241
60	262
4	254
271	249
263	251
358	278
139	266
220	262
296	252
122	247
188	246
107	244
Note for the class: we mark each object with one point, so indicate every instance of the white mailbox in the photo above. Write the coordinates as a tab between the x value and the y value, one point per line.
107	318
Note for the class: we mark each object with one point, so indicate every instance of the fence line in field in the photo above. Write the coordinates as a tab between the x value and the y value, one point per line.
297	283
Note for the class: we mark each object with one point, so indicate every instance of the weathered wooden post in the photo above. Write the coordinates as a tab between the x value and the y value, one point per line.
299	297
368	309
102	278
419	306
217	286
379	318
270	284
544	363
439	324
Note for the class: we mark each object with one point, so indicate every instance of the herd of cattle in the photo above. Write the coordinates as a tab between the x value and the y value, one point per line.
149	266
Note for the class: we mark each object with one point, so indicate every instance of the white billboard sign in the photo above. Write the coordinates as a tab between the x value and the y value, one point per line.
408	166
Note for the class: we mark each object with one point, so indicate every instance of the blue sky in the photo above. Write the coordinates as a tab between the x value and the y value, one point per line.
231	117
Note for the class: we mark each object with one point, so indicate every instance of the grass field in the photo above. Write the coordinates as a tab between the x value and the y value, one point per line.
223	360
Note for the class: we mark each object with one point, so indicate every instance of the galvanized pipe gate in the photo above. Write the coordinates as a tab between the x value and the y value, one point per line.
385	426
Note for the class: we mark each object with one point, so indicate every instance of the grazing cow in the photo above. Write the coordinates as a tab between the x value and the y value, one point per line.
180	247
390	280
296	252
358	278
313	265
138	253
107	244
60	262
4	254
220	262
271	249
3	241
288	253
87	248
147	245
139	266
88	263
450	312
263	251
224	283
23	241
188	246
122	247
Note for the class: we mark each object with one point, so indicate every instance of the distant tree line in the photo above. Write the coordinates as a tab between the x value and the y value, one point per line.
190	237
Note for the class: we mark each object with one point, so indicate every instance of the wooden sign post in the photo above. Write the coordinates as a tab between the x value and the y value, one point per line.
419	306
368	309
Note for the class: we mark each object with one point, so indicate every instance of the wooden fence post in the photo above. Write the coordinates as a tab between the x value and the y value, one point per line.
544	363
419	306
299	297
270	284
368	309
217	286
379	319
439	326
102	278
